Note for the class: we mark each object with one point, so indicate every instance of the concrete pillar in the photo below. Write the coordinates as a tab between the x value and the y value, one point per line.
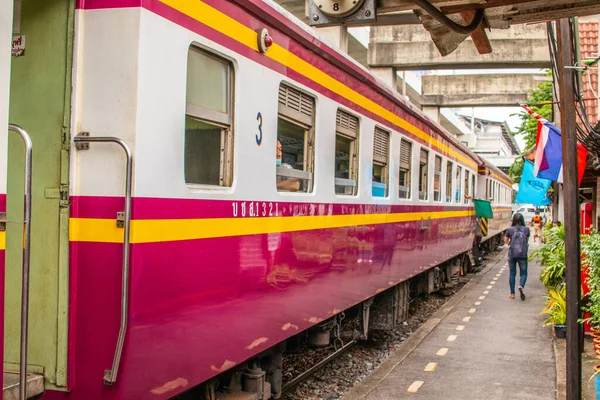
336	35
432	112
387	75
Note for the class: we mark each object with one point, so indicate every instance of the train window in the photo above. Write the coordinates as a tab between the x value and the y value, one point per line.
437	179
381	151
473	185
465	199
295	140
449	182
346	153
405	164
208	157
458	184
496	192
423	175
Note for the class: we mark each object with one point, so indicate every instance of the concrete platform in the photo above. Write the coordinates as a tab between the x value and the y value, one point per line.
485	346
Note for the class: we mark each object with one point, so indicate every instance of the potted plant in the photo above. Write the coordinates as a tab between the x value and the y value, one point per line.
552	256
556	308
596	378
590	248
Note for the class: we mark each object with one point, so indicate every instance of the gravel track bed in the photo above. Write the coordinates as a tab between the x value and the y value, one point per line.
339	376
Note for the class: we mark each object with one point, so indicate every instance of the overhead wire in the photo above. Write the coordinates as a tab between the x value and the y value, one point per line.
587	135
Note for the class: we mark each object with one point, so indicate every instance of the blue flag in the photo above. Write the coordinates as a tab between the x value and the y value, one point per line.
532	190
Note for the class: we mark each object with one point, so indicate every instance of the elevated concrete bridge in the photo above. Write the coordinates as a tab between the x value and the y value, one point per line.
478	90
410	47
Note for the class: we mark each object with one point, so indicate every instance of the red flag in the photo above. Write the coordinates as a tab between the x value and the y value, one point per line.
582	154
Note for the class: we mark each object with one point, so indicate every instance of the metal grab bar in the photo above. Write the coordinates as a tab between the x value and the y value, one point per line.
26	253
345	182
110	375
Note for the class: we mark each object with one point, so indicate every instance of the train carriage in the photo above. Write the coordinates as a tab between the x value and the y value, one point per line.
495	186
264	182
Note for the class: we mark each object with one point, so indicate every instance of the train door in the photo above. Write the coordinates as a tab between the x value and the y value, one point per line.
40	92
6	12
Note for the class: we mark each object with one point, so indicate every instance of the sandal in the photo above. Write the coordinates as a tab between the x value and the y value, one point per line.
512	296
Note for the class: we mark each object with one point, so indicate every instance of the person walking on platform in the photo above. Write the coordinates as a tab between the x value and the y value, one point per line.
517	238
537	224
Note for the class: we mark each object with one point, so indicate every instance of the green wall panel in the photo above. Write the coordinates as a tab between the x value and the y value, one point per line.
40	103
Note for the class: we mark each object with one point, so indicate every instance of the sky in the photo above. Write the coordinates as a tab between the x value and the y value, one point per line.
500	114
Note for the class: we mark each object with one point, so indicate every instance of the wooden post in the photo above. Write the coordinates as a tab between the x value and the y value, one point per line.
570	193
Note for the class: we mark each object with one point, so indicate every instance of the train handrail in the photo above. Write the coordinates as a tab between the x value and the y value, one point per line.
345	182
110	375
294	173
26	253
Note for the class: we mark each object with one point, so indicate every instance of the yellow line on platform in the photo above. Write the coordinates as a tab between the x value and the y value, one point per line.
430	367
415	386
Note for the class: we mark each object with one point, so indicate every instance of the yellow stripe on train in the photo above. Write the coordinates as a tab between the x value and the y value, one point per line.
170	230
483	224
2	240
228	26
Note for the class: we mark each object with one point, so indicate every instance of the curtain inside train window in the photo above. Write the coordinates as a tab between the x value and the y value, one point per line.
437	179
423	174
449	182
346	153
295	140
458	185
465	199
405	168
208	148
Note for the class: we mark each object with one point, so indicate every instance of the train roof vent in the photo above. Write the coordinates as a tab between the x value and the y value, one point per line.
424	156
346	124
405	154
296	105
381	145
438	164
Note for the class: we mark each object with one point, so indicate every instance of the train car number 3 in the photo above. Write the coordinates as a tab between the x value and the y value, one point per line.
259	135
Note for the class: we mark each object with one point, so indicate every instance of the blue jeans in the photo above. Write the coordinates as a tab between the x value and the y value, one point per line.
512	264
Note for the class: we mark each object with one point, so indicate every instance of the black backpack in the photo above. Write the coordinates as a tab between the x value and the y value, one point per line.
518	243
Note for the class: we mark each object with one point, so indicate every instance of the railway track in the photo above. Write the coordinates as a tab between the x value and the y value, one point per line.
312	370
333	376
